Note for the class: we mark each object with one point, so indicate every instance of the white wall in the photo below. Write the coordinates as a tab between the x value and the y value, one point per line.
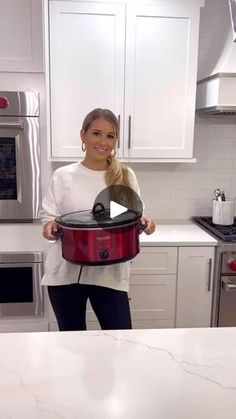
174	191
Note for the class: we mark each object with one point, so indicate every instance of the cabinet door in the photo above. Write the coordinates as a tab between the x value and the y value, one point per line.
152	291
152	297
21	35
194	286
160	79
86	67
23	325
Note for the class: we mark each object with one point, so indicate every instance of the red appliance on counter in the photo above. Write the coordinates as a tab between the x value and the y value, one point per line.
94	238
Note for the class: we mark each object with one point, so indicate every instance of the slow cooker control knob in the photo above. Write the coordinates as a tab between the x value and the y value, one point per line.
104	253
232	265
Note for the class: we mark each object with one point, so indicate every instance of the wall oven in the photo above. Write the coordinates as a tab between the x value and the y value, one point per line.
20	289
20	186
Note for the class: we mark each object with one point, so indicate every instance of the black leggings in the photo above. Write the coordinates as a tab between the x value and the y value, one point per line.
69	305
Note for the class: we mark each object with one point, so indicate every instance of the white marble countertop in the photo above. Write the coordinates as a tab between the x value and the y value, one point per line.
177	233
25	236
138	374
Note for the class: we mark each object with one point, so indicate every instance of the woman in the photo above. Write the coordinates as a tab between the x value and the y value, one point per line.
74	188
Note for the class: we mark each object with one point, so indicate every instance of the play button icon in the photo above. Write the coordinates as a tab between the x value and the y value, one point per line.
117	204
116	209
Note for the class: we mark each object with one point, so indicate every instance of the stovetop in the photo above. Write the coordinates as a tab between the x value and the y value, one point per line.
225	233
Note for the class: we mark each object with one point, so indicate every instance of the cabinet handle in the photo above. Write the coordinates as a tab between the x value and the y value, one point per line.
209	274
227	285
17	125
129	298
118	144
129	132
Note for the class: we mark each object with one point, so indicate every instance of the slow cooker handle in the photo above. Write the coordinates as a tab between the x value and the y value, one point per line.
57	233
97	211
142	227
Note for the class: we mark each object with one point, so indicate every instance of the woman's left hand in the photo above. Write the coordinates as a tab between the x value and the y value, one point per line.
150	225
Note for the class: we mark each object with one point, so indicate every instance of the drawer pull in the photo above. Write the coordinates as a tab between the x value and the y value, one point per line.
209	275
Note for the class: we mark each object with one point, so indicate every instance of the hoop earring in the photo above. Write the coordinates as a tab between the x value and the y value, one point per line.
109	160
83	146
111	157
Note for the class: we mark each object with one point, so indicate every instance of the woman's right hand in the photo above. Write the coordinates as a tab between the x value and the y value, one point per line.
48	230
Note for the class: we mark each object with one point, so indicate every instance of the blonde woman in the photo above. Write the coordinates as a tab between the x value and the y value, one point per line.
74	188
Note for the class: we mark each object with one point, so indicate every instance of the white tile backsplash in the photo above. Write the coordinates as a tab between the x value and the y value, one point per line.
179	191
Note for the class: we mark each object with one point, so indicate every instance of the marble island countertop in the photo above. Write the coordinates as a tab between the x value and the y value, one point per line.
26	236
132	374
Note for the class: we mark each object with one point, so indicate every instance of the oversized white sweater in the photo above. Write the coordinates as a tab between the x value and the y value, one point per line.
74	188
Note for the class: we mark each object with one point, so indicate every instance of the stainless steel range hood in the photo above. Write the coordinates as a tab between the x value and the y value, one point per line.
216	92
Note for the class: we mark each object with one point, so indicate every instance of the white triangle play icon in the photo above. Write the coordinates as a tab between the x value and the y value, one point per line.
116	209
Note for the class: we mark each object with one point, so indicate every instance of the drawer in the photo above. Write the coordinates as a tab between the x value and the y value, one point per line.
153	324
152	260
24	326
91	325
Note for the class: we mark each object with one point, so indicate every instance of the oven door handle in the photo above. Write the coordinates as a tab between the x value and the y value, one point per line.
17	125
227	285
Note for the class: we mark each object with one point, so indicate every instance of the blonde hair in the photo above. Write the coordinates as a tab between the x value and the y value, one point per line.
116	173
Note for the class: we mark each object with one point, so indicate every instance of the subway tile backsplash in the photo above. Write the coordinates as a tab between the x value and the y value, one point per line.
179	191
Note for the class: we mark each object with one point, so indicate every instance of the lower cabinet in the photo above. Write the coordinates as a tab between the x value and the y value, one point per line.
53	327
194	286
91	325
20	325
152	289
169	287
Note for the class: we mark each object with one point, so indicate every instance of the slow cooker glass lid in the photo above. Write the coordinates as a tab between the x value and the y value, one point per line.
87	219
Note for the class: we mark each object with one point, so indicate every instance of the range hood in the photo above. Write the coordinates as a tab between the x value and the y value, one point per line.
216	93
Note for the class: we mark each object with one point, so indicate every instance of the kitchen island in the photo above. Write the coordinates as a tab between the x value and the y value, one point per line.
131	374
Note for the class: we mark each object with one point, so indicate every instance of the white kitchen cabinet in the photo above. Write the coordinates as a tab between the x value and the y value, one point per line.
194	286
160	79
91	325
21	34
139	60
169	287
23	325
86	67
152	289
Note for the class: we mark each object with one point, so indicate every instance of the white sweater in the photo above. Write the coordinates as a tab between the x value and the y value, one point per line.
75	188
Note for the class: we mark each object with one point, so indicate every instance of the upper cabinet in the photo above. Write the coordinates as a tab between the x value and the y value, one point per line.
86	67
139	60
21	35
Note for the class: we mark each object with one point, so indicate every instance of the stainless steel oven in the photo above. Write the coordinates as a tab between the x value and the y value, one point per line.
20	289
20	186
224	285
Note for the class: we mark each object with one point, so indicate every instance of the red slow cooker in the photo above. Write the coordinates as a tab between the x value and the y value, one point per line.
93	238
